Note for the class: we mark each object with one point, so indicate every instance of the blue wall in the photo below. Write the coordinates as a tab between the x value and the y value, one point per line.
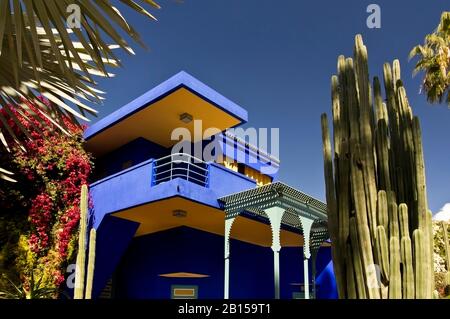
185	249
327	281
133	187
248	156
113	238
141	150
135	152
233	150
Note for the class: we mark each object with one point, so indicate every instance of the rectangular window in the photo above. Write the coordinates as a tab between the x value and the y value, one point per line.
184	292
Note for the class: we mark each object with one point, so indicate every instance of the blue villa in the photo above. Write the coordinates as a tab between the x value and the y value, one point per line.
175	225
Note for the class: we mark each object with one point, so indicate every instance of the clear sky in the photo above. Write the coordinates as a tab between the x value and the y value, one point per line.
275	59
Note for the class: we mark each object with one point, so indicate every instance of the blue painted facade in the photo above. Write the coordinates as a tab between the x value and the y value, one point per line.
187	249
127	178
131	154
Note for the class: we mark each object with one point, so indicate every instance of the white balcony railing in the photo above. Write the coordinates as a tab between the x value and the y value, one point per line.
180	165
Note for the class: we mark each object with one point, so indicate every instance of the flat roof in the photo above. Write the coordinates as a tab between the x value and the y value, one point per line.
176	82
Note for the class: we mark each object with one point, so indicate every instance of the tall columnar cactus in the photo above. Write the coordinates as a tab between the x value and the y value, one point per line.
91	264
379	221
81	255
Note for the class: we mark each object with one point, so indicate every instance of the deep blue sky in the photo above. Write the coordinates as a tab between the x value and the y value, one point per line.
275	58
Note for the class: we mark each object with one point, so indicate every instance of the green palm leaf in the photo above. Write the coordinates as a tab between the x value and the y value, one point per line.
40	55
434	61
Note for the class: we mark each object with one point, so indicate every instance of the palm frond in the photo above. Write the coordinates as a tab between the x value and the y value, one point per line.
36	290
40	55
5	175
434	61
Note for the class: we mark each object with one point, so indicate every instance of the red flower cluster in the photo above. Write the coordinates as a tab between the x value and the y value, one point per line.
40	216
57	166
69	222
59	278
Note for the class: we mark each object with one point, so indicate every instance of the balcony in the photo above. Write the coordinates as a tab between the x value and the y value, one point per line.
176	175
182	166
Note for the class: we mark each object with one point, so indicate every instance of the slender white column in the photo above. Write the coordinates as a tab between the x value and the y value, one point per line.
306	277
275	215
226	293
276	273
306	227
228	224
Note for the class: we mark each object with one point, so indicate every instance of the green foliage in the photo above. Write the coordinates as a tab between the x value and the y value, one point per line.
434	61
441	259
39	214
43	52
33	290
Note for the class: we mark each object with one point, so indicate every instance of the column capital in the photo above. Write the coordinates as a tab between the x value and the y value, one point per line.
275	215
306	228
228	225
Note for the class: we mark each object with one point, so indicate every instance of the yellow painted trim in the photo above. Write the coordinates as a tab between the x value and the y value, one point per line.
184	292
158	216
183	275
260	178
157	121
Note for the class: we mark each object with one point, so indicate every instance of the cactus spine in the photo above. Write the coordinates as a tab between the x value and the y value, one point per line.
91	264
81	255
375	186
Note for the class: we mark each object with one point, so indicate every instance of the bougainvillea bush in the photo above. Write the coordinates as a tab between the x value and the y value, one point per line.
39	214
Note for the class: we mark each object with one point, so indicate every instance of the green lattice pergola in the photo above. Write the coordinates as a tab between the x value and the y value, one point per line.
281	205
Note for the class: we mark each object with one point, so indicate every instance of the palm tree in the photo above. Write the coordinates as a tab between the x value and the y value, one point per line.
40	55
434	61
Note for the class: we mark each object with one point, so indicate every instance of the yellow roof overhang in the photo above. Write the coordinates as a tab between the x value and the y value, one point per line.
158	216
156	114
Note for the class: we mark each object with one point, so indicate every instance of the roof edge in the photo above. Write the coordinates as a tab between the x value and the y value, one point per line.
179	80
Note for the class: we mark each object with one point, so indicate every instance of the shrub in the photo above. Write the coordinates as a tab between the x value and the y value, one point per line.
40	213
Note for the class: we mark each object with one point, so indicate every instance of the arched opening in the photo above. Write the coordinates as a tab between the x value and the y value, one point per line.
288	212
250	261
291	261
